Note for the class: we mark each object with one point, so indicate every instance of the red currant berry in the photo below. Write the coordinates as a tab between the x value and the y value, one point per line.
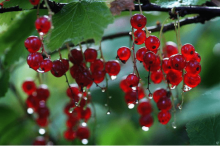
149	59
29	86
32	101
82	133
139	37
152	43
174	77
34	2
159	93
84	79
170	49
65	63
131	97
144	108
73	92
156	76
59	68
178	62
69	134
43	110
140	54
43	24
193	67
90	55
123	54
42	92
97	65
98	76
164	117
40	140
141	93
166	65
75	56
46	65
132	80
72	121
75	112
146	120
196	57
76	69
34	60
138	21
112	67
164	104
192	80
86	114
42	121
124	86
188	51
155	66
32	44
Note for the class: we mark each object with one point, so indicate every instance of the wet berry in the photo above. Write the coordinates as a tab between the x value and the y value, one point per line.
138	21
140	54
193	67
112	68
75	56
124	86
174	77
42	121
32	44
86	114
34	60
164	117
156	76
97	65
132	80
144	108
29	86
188	51
196	57
46	65
192	80
43	110
73	92
82	133
59	67
152	43
69	134
178	62
164	104
42	92
153	67
90	55
123	54
40	140
72	121
170	49
146	120
166	65
43	24
149	58
159	93
131	97
98	76
139	37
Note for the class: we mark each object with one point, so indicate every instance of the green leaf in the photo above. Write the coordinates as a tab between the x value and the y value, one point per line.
7	18
4	83
204	131
79	21
23	4
175	3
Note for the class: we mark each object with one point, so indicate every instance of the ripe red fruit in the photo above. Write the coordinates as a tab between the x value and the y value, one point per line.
166	65
59	67
164	117
46	65
138	21
193	67
32	44
174	77
29	86
69	134
140	53
72	121
156	76
82	133
153	67
196	57
178	62
144	108
131	97
170	49
43	24
188	51
34	2
42	92
146	120
124	86
32	101
164	104
86	114
83	79
40	140
65	63
98	76
76	56
90	55
76	69
141	93
139	37
149	58
132	80
73	92
159	93
152	43
42	121
75	112
97	65
123	54
192	80
43	110
112	67
34	60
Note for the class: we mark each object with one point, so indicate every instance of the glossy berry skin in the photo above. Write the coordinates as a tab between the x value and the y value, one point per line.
152	43
69	134
164	104
192	80
131	97
76	69
139	37
98	76
43	111
86	114
82	133
32	102
153	67
34	2
123	54
178	62
34	60
170	49
42	92
46	65
29	86
112	67
141	93
159	93
84	78
144	108
76	111
146	120
193	67
132	80
76	56
174	77
124	86
156	76
164	117
90	55
149	58
42	122
97	65
43	24
140	54
32	44
72	121
73	92
138	21
59	67
166	65
188	51
196	57
40	140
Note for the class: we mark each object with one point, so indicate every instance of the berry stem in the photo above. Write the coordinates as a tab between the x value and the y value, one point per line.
107	92
148	81
101	53
160	37
49	11
95	122
39	78
140	6
43	49
179	44
181	105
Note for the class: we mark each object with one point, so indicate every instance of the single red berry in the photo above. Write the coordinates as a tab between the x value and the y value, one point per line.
174	77
144	108
112	67
29	86
69	106
178	62
34	60
46	65
156	76
146	120
149	58
97	65
86	114
43	24
72	121
40	140
32	102
32	44
164	117
76	69
42	92
123	54
84	79
85	101
170	49
124	86
164	104
166	65
196	57
152	43
90	55
140	53
59	67
188	51
138	21
69	134
73	92
75	56
65	63
43	110
132	80
192	80
193	67
34	2
159	93
139	37
98	76
141	93
82	133
131	97
42	121
153	67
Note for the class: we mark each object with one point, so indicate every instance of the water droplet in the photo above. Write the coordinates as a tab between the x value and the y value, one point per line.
180	107
71	109
136	102
145	128
109	97
84	89
150	95
113	77
108	112
186	88
174	125
106	104
103	89
30	111
134	88
217	142
80	94
84	124
42	131
131	106
85	98
172	87
85	141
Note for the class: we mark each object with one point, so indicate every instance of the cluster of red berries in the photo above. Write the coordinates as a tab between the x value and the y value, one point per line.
34	2
78	113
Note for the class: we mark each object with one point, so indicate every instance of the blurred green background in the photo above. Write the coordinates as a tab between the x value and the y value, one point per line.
197	122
